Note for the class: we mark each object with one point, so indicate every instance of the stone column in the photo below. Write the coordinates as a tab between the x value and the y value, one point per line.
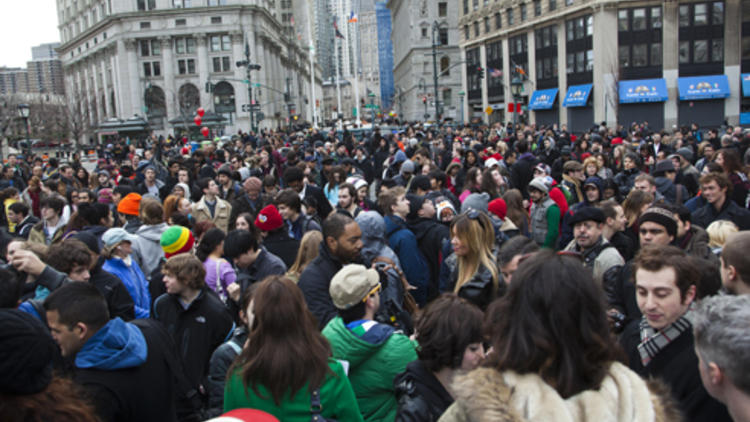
732	30
86	87
606	66
463	100
97	116
562	72
105	84
529	86
131	83
203	76
670	60
167	69
117	87
485	94
507	71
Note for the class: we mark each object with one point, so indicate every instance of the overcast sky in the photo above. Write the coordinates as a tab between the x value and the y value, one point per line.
26	23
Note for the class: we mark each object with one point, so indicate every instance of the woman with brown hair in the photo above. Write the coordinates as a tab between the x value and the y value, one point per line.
553	357
729	160
635	203
308	250
33	196
516	212
286	368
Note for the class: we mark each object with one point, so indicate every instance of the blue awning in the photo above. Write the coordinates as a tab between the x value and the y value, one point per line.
746	84
543	99
577	96
703	87
745	118
643	91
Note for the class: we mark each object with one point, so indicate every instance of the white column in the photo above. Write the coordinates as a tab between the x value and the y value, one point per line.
97	116
87	91
202	66
130	80
485	93
105	85
167	69
116	85
605	65
507	70
528	87
240	91
562	72
463	103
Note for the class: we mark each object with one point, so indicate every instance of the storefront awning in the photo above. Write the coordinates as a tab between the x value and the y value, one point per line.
703	87
577	96
643	91
746	84
543	99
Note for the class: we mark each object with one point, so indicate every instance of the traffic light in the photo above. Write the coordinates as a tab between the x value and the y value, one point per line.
480	72
424	100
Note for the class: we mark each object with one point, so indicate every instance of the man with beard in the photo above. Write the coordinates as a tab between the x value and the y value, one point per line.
597	253
348	200
342	242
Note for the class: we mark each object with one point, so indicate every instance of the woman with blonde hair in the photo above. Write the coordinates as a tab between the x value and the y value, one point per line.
308	250
718	233
473	273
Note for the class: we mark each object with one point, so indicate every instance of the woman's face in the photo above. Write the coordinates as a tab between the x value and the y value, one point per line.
264	158
471	158
600	160
362	193
478	179
242	224
184	207
124	249
81	173
473	356
460	248
497	178
720	159
590	170
178	191
628	164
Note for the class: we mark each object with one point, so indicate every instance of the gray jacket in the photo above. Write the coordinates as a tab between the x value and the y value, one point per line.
147	251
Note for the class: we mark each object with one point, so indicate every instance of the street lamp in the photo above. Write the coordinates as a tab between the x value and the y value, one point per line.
461	94
23	111
516	88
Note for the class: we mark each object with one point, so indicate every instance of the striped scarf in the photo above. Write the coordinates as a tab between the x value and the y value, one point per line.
653	341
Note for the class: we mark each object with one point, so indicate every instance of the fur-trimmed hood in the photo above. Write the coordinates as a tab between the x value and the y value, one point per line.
486	395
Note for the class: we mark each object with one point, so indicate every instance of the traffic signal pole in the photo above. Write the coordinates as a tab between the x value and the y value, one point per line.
248	68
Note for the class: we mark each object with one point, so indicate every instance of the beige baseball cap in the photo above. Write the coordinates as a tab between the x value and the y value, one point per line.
352	284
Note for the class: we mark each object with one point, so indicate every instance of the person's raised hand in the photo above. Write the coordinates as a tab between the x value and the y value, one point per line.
27	261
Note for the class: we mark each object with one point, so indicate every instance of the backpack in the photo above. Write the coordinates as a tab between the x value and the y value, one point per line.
396	311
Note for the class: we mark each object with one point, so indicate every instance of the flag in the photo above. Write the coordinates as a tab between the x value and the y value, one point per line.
291	20
495	73
520	70
352	17
336	29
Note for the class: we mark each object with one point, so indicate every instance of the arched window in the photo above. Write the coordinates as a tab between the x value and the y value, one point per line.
445	64
190	99
224	98
155	102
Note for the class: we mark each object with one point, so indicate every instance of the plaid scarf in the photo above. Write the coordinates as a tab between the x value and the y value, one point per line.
653	341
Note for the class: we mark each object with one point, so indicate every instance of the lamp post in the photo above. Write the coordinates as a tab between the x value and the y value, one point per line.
23	111
435	45
461	94
516	87
422	88
371	95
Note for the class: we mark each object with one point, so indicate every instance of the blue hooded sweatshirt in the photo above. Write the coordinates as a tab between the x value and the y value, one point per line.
117	345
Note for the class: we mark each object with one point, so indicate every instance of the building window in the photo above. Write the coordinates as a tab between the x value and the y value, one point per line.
717	13
215	19
445	64
656	54
486	25
498	20
476	28
151	69
443	36
701	42
639	19
177	4
442	9
717	50
640	55
447	97
537	7
180	22
623	53
656	17
217	2
221	43
623	23
146	4
568	2
523	12
552	5
221	64
184	45
147	69
424	32
186	66
466	7
467	34
684	52
509	12
150	48
145	25
684	16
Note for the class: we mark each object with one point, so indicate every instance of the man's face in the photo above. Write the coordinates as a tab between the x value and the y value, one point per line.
79	273
83	197
286	212
213	188
150	175
174	168
69	339
579	174
592	193
651	233
427	210
68	173
173	285
659	297
587	233
11	160
246	259
712	192
536	195
402	206
183	177
345	198
223	179
644	185
348	245
37	171
508	269
14	218
235	162
621	221
48	213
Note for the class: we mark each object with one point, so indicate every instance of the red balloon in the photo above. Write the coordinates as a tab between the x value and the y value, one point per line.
205	131
198	120
201	111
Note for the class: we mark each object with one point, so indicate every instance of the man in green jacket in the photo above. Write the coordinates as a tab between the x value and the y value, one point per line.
375	352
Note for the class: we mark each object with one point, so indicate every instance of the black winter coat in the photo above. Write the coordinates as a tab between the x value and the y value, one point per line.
480	290
279	243
625	180
314	282
521	173
143	393
218	368
677	366
421	397
729	211
324	207
197	330
431	236
242	204
119	301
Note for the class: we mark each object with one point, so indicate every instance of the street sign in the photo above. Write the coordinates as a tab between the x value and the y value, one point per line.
248	107
259	117
489	110
372	106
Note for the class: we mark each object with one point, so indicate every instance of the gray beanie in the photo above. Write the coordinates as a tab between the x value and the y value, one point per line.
477	201
539	184
407	167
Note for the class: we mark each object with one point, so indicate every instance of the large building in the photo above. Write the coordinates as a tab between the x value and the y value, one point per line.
163	59
415	25
13	80
385	53
578	62
43	74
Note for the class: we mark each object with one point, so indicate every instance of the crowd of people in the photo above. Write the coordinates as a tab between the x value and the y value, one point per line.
474	273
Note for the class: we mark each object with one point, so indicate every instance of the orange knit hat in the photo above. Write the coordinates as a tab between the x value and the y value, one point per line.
130	204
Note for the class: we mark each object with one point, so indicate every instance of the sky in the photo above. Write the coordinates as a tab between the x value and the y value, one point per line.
26	23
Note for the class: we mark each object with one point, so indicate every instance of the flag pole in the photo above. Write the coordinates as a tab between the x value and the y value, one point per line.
338	88
356	72
312	73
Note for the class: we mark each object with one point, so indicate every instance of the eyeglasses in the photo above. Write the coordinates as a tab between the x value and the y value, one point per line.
372	292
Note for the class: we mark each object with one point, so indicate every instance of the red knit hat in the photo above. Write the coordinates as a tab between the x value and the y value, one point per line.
616	141
498	207
269	219
245	415
130	204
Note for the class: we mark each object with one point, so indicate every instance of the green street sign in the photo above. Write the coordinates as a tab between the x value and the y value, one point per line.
246	81
372	106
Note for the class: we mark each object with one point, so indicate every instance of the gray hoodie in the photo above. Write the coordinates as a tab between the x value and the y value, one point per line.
147	251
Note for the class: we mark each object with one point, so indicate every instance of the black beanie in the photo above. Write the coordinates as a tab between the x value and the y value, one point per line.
26	353
661	216
415	204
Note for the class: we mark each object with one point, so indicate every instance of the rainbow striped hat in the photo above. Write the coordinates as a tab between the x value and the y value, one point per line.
176	240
